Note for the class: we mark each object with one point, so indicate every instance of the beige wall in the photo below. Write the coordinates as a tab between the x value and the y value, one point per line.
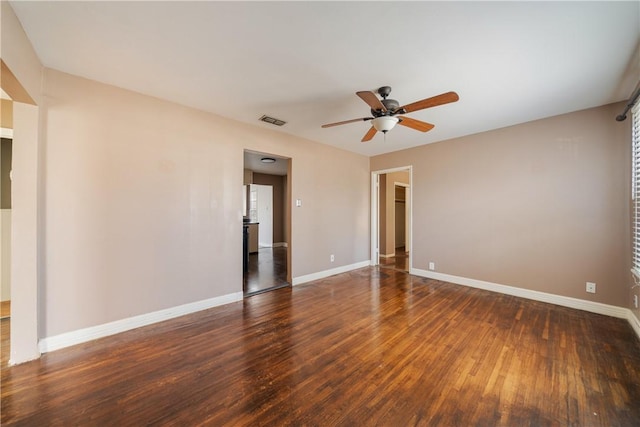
20	59
21	79
540	206
144	208
6	113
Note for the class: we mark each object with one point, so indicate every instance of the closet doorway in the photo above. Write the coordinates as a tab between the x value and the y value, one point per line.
391	219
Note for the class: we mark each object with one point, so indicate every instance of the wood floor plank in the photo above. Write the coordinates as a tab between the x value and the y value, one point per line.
375	346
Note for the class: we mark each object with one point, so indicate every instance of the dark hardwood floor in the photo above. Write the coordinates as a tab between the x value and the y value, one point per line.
374	346
400	261
267	270
5	344
5	309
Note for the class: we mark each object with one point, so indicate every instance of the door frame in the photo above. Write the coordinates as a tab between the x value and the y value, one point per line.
407	219
288	212
375	206
267	226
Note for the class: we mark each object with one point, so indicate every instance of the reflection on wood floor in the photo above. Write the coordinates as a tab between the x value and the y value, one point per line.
5	313
5	309
267	270
373	346
5	326
400	261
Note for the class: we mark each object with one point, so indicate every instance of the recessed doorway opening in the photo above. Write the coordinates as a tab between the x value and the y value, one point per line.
266	223
391	218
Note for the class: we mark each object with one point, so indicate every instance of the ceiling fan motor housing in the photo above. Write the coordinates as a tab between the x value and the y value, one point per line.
390	104
384	91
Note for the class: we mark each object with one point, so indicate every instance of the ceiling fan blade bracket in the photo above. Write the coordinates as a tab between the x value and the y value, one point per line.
363	119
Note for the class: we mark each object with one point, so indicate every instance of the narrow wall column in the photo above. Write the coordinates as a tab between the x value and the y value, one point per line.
24	233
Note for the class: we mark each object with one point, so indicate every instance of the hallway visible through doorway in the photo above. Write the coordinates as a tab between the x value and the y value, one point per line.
267	270
267	222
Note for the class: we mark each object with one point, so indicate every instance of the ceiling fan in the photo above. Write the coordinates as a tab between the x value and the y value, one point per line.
384	111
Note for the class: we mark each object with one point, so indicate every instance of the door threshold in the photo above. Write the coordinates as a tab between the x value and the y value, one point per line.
262	291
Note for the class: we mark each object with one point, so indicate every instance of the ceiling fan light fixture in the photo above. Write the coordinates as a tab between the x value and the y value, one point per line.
384	123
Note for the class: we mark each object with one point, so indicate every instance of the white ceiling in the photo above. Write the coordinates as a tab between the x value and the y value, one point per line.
252	161
302	62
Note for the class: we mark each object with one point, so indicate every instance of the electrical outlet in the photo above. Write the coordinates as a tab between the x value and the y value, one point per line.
591	287
332	258
432	266
635	301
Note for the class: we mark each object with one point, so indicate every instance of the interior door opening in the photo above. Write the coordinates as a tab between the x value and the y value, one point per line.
5	250
391	219
6	154
267	223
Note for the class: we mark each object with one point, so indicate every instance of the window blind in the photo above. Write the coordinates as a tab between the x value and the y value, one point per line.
635	185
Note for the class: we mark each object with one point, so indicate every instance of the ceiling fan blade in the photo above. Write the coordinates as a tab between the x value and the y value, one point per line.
369	135
434	101
415	124
364	119
371	99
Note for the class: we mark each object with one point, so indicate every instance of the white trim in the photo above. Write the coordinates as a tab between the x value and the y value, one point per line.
375	241
593	307
326	273
634	322
280	244
387	255
375	228
6	133
79	336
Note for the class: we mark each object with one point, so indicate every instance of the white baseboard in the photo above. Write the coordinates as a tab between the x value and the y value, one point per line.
594	307
634	322
280	244
387	255
6	133
326	273
67	339
24	359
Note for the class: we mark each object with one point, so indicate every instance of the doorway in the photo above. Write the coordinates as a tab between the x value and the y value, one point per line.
5	247
262	197
391	218
267	223
26	232
6	153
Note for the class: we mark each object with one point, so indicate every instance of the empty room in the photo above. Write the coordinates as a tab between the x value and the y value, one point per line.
320	213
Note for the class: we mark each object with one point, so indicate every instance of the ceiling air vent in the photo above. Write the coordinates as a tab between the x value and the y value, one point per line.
273	121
